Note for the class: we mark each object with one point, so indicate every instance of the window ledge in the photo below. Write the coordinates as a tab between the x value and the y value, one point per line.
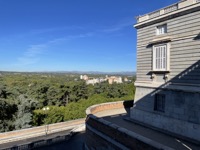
161	39
160	71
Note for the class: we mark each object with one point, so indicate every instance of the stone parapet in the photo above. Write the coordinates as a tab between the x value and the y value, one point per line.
39	131
107	132
121	137
172	8
104	106
177	9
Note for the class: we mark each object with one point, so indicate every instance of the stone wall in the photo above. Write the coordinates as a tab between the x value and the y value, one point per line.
118	137
104	106
181	116
40	143
38	131
92	138
101	134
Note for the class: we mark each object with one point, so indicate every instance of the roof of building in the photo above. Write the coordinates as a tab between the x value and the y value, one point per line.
173	10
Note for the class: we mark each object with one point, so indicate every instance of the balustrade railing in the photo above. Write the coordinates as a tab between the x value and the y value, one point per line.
168	9
154	14
171	8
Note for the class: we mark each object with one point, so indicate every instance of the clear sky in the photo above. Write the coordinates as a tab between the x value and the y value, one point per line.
69	35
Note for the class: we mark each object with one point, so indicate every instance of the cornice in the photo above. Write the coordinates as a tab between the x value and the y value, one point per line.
164	17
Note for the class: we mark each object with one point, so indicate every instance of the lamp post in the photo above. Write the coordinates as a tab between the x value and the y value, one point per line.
45	109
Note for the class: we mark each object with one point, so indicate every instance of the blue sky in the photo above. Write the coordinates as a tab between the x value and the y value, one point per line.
69	35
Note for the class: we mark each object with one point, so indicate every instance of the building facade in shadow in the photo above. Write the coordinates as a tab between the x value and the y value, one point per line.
167	94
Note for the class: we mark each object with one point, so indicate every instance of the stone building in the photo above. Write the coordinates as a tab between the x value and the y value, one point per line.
167	94
84	77
114	79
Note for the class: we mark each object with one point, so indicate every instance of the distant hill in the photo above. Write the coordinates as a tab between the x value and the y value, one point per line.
127	73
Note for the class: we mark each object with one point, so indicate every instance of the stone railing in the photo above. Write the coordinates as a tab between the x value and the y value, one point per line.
166	10
154	14
104	106
171	8
39	131
39	143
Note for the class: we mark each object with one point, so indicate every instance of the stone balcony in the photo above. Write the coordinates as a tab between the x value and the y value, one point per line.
172	9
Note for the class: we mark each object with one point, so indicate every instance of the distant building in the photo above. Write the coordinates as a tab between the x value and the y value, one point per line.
92	81
84	77
168	70
125	79
114	79
102	80
111	80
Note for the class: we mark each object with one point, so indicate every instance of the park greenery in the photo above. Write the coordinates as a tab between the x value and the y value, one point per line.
23	95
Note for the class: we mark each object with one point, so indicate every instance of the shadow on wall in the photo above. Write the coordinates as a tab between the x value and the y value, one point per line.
171	105
197	37
191	75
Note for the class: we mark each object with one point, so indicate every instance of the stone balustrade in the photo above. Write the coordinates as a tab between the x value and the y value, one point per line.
172	8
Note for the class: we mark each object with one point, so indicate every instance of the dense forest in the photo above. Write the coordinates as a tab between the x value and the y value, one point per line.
24	95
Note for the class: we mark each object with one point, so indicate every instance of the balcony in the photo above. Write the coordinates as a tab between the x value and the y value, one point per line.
167	10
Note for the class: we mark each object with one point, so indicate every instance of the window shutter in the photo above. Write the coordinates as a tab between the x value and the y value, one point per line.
159	58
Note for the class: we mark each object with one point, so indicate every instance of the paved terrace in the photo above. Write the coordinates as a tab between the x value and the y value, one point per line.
119	117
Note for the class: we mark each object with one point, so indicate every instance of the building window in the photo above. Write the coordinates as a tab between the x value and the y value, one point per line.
159	103
162	29
160	57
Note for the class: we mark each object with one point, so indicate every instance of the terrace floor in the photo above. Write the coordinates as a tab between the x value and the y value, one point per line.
118	116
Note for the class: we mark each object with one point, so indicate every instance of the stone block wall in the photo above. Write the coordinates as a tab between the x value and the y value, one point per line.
180	117
101	134
104	106
121	138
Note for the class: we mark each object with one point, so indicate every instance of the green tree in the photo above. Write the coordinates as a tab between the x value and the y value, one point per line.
24	114
7	111
79	91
